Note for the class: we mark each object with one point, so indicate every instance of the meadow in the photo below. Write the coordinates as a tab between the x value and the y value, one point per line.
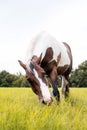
20	110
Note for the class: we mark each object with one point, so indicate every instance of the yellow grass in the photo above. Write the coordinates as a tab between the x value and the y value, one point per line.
20	110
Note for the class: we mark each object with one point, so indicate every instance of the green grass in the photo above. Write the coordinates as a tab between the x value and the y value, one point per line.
20	110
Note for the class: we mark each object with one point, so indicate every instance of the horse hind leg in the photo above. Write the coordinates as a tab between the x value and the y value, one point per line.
65	86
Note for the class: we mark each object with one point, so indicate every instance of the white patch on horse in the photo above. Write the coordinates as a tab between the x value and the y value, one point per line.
44	88
44	41
28	67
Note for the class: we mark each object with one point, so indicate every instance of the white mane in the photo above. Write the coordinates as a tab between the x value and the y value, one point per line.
32	45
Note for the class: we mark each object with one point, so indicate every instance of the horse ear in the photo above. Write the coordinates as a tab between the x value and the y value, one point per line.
22	64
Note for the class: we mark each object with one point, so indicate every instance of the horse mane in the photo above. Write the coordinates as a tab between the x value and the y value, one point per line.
32	45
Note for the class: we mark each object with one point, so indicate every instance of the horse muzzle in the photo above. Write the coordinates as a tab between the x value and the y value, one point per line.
47	101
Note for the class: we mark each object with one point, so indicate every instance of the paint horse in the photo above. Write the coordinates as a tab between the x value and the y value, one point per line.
48	59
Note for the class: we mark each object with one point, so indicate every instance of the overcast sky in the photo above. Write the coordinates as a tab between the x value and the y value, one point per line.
21	20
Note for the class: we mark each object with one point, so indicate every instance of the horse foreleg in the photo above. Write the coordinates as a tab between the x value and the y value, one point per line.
53	77
55	91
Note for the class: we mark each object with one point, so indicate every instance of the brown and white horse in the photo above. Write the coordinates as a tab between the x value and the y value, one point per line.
47	59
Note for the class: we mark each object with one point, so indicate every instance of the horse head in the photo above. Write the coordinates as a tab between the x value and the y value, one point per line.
37	79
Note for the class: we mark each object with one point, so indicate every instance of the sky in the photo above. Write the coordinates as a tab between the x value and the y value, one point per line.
22	20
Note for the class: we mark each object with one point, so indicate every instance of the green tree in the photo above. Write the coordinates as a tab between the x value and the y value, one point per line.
78	77
6	79
11	80
21	82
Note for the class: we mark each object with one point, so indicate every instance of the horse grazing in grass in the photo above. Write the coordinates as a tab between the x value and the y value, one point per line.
48	59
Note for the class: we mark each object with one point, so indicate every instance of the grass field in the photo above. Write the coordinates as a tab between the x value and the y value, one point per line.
20	110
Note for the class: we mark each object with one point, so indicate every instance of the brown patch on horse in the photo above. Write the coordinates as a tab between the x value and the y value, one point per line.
34	84
62	69
48	56
70	57
48	63
48	67
53	74
66	69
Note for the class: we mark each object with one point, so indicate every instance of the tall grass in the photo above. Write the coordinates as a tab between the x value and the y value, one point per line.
20	110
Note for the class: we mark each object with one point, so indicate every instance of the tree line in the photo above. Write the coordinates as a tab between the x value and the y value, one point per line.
12	80
78	78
